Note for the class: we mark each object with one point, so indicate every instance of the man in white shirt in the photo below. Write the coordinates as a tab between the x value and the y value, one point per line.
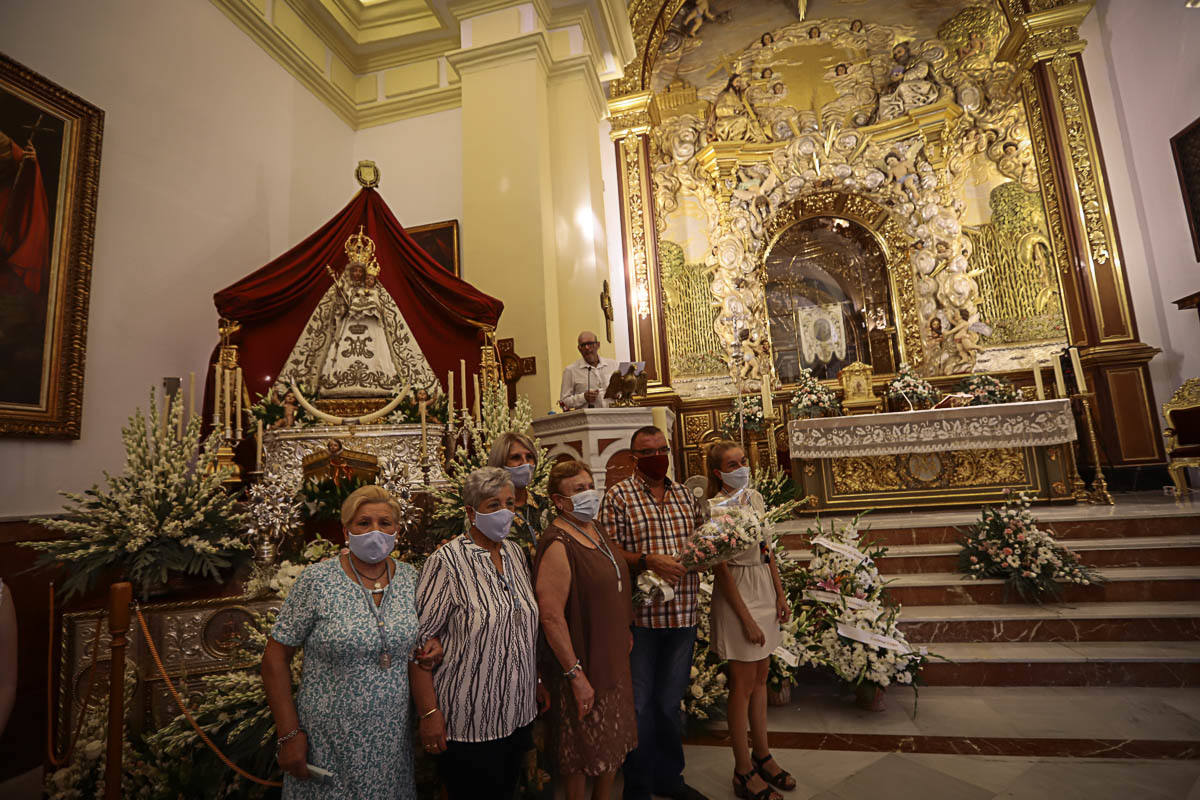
584	382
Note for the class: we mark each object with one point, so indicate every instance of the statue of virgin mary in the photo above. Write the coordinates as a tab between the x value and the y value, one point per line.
356	343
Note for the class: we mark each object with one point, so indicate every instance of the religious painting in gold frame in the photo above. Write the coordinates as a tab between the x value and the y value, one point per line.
440	241
49	172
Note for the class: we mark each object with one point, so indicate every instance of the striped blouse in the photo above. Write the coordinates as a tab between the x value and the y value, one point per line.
487	623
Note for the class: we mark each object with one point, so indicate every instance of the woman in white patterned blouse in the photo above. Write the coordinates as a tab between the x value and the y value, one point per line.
475	595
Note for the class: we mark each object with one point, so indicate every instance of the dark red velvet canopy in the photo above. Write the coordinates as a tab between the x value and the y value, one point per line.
446	315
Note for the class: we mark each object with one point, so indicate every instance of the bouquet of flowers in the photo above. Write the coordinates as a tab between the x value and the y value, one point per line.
911	390
1006	543
864	645
987	390
720	539
747	413
707	686
812	398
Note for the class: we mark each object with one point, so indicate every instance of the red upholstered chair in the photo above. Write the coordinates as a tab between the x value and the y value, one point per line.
1182	413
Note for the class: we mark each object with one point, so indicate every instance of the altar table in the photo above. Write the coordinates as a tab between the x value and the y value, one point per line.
939	457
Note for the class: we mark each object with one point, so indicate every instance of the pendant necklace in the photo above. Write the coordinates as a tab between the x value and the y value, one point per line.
385	658
601	545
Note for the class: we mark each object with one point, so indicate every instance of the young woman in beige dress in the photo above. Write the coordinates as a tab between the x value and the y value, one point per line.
747	608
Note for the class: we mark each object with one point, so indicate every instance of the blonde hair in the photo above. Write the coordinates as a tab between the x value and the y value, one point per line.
498	455
712	462
367	494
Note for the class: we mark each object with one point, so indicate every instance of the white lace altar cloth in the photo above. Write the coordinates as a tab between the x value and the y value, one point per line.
284	449
1032	424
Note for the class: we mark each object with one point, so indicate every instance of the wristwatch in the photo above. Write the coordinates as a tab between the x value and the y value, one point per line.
642	562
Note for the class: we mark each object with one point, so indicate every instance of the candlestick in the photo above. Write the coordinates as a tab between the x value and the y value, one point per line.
216	417
191	395
1077	365
1059	384
238	392
475	405
259	448
450	398
462	367
1037	381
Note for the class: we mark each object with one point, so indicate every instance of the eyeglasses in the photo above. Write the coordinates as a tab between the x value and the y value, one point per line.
653	451
588	345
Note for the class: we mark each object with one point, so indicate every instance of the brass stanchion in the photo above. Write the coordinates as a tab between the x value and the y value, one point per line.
119	596
1098	492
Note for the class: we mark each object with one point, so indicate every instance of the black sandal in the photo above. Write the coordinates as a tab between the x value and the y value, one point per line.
780	780
743	791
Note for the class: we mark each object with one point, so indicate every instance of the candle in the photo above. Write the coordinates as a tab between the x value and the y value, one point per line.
423	432
238	392
1037	381
450	398
1077	365
225	409
768	409
1059	384
475	379
216	418
462	367
191	395
259	448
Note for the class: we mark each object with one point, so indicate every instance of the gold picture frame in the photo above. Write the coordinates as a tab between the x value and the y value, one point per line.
440	241
49	174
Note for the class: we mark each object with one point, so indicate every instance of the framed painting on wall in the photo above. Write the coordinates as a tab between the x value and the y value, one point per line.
1185	146
49	172
440	241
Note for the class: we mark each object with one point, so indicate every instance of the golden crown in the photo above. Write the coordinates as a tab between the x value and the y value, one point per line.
361	250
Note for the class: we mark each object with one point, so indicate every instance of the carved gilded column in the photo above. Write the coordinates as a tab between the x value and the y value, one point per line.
632	116
1044	45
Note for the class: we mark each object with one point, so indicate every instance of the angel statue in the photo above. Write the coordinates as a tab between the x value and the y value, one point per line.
356	343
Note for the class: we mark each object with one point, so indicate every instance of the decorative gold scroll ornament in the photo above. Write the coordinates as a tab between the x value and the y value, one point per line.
365	419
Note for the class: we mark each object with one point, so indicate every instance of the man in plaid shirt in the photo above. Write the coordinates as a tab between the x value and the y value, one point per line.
650	516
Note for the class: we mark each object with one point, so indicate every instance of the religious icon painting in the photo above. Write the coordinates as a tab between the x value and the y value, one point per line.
49	172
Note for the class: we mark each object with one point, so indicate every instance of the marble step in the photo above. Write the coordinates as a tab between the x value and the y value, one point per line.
1085	622
1142	551
945	528
1064	664
1124	584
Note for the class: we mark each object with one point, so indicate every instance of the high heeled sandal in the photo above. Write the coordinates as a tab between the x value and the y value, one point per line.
743	791
780	780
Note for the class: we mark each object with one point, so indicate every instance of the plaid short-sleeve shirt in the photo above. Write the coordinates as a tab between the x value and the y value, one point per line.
640	524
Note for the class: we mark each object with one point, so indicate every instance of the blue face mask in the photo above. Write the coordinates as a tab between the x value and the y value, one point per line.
520	475
738	479
585	504
494	525
372	546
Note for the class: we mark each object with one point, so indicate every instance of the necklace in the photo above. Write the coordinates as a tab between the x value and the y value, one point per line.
385	658
376	578
601	545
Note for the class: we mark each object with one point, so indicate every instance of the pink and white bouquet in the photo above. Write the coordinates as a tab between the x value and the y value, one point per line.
813	398
911	390
730	531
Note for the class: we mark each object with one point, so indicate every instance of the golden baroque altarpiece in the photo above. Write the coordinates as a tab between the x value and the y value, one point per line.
809	187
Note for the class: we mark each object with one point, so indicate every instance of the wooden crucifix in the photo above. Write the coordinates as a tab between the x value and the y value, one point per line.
513	367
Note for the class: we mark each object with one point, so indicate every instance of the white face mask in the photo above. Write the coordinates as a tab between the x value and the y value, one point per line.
738	479
585	504
494	525
372	546
520	475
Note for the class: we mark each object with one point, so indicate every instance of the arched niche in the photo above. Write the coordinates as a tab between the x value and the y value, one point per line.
894	321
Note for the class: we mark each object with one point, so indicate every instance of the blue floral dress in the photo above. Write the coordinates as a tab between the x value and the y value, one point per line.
355	713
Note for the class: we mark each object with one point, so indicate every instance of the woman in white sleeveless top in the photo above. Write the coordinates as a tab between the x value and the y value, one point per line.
748	605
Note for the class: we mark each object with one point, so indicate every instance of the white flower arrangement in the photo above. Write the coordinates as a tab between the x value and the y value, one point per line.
1007	543
986	390
707	687
744	413
813	398
911	389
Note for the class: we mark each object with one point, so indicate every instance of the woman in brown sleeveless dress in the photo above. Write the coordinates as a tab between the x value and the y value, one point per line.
585	604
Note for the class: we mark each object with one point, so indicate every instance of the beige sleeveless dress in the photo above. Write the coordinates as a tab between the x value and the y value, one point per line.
752	577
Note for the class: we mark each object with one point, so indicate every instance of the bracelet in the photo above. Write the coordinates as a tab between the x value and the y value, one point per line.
292	734
429	713
573	671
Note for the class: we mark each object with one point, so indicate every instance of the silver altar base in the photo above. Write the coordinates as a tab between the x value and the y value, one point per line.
284	449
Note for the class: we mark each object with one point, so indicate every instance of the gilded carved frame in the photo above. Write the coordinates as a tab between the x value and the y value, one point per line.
57	413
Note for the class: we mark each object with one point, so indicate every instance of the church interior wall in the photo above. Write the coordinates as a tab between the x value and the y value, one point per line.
1143	70
214	161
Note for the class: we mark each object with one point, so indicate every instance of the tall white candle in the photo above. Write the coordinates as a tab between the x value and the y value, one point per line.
228	404
259	448
218	388
424	433
1059	384
238	403
1037	381
1077	365
450	398
462	366
475	380
768	408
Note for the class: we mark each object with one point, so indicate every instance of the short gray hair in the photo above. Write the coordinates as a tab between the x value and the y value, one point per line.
498	455
483	483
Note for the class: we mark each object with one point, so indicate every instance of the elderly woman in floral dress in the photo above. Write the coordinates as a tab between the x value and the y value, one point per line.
355	617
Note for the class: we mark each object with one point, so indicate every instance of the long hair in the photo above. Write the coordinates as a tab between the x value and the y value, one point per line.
712	463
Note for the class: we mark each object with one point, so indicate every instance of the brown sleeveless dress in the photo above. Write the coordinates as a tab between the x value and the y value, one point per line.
598	619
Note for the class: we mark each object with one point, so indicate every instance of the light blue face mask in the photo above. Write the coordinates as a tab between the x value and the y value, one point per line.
520	475
372	546
737	479
496	524
585	504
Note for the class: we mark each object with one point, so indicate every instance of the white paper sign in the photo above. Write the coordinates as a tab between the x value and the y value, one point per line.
838	547
871	638
835	598
786	656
